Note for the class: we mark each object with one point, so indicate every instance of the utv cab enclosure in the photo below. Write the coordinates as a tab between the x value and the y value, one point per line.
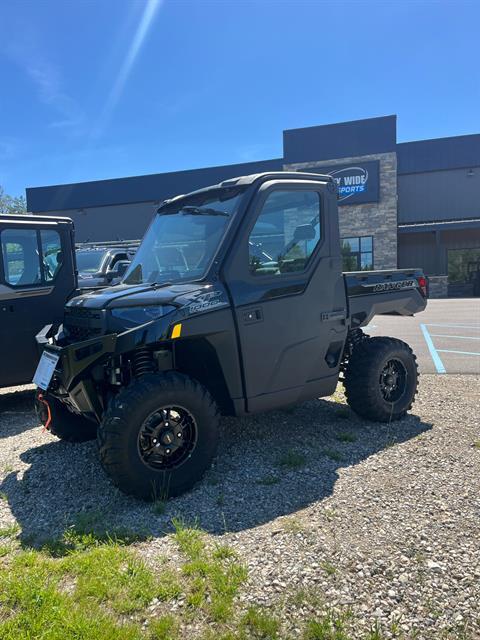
37	276
234	303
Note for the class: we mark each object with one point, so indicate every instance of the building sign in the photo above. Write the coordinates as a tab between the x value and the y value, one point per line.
356	183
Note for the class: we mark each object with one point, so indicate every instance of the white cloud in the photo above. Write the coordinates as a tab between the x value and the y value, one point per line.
67	113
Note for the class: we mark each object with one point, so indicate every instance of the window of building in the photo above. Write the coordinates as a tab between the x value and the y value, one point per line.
463	266
286	233
357	253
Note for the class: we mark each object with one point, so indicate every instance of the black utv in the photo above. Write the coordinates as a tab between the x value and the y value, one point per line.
234	303
37	277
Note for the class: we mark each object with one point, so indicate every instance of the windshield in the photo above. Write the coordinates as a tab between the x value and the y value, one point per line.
88	261
183	239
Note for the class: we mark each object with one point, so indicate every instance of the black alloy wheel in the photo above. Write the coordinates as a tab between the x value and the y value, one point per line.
393	380
167	438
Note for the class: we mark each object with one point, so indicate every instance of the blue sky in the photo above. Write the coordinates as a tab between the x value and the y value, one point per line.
110	88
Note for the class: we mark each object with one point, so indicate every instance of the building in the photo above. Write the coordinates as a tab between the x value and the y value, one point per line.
412	204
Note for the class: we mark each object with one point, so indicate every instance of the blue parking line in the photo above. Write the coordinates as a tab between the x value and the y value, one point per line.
443	335
455	326
465	353
433	352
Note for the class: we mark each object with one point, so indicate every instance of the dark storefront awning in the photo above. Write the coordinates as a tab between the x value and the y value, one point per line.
448	225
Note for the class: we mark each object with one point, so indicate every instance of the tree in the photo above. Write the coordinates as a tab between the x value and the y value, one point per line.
12	204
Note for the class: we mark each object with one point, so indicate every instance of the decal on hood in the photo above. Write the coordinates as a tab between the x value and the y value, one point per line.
207	301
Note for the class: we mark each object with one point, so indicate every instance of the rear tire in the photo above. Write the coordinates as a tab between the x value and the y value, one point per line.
159	436
64	424
381	379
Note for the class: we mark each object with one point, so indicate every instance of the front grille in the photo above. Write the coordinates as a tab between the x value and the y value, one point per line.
81	323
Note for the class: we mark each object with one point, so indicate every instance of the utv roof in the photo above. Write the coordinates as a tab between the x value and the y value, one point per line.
32	217
254	177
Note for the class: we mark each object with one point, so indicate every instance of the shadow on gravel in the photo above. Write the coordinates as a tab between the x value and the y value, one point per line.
268	465
14	404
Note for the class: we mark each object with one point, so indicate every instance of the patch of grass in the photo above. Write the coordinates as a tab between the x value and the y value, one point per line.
34	599
164	628
329	568
260	625
375	632
476	444
293	525
213	576
391	442
330	626
305	597
268	481
87	531
346	437
8	468
159	507
223	552
9	531
330	514
292	460
189	538
114	576
3	496
333	454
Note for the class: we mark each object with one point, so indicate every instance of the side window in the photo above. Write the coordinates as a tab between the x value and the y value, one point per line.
51	253
286	233
21	260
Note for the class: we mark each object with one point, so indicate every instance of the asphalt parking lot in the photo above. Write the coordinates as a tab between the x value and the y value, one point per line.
445	337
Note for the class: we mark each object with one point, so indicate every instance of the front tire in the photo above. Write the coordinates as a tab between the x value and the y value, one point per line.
381	379
64	424
159	436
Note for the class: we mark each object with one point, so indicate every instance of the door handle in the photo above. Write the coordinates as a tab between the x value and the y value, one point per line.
7	308
333	315
252	315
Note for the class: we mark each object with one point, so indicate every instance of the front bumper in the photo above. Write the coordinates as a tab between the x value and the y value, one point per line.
71	382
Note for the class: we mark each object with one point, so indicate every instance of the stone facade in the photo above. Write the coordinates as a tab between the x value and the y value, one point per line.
437	286
377	219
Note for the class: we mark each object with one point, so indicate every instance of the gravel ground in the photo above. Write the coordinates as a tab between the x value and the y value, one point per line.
324	508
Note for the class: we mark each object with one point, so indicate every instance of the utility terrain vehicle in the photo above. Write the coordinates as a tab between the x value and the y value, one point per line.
234	303
37	277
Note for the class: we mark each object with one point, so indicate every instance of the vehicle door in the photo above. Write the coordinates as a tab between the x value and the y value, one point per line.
37	276
288	294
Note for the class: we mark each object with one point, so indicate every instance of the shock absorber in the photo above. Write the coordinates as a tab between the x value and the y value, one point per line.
355	336
142	362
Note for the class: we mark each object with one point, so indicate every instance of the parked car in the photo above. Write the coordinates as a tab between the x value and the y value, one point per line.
103	264
206	321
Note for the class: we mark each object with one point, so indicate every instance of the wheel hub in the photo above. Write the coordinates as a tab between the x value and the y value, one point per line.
393	380
167	438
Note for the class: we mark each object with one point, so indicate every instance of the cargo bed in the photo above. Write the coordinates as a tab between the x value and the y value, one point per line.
389	292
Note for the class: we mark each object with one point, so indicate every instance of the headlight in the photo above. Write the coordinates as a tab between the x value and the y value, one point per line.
133	316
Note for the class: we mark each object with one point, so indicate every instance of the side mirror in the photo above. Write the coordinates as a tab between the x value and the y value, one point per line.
118	270
304	232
